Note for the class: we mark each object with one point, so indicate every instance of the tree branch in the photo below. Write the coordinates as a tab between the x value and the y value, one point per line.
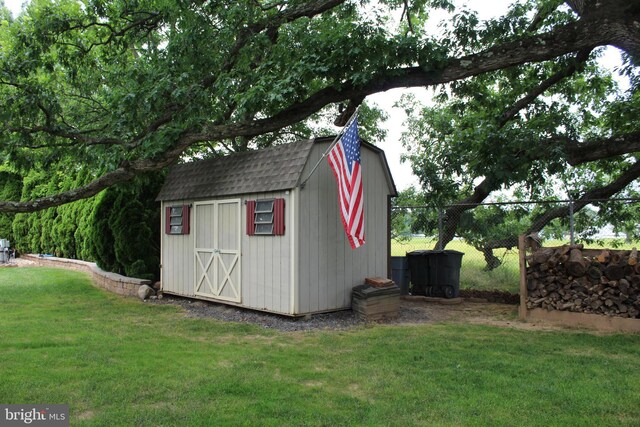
627	177
601	193
124	173
580	36
576	155
622	17
576	5
569	38
117	176
542	14
581	58
271	24
408	14
454	212
149	21
66	134
601	149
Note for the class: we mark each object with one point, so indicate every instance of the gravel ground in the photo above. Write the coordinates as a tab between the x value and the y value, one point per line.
205	309
415	310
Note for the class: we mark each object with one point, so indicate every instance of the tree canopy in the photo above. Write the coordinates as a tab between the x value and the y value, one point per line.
550	129
127	87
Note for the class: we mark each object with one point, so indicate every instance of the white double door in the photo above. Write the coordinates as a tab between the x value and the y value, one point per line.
217	249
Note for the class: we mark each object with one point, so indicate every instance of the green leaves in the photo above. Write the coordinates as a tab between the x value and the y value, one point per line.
506	131
110	82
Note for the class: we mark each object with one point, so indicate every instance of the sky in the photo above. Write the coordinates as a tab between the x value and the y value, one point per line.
401	172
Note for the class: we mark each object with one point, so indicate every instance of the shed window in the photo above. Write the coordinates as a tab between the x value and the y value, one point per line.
263	206
265	217
177	219
264	229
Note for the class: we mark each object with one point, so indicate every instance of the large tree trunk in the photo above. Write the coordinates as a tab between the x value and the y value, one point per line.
492	262
622	17
453	213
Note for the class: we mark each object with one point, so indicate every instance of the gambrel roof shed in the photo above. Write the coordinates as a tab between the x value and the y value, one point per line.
242	230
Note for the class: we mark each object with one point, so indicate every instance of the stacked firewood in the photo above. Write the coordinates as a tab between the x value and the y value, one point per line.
584	280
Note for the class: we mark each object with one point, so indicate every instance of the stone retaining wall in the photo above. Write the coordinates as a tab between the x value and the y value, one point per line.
112	282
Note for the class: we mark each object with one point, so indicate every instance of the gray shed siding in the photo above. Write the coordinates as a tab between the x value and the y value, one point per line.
328	268
177	273
265	264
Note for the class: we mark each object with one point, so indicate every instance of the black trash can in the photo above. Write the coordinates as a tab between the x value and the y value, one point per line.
400	273
435	273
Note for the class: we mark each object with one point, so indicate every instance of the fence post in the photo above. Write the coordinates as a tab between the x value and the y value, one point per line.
522	249
571	225
440	231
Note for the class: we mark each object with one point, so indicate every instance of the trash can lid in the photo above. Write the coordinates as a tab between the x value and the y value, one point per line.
428	252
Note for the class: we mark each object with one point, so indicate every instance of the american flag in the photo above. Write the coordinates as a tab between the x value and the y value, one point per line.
344	159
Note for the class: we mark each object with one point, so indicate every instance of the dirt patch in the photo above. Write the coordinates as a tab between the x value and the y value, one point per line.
86	415
7	265
20	262
418	310
475	311
502	297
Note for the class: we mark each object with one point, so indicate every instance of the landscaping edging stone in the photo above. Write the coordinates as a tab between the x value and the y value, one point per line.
112	282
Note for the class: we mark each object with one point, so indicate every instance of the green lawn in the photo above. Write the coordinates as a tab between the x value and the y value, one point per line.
120	362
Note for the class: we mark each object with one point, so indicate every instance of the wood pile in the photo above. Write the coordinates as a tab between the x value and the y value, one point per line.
573	278
378	302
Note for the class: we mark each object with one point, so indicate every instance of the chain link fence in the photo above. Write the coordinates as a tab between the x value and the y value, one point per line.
488	233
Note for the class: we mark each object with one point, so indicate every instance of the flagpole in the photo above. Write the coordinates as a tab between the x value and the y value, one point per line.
333	143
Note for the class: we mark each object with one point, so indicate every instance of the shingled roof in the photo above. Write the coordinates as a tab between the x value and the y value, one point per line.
271	169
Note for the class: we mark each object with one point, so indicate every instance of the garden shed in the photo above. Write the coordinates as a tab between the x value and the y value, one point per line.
242	230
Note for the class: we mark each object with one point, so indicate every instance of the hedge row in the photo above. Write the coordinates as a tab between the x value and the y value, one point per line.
119	228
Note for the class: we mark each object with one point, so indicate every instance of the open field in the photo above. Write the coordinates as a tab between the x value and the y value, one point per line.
118	362
473	274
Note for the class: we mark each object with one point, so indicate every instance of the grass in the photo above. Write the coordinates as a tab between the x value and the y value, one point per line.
119	362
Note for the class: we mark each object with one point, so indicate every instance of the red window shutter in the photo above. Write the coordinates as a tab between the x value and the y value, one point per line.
167	220
185	219
278	217
251	212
